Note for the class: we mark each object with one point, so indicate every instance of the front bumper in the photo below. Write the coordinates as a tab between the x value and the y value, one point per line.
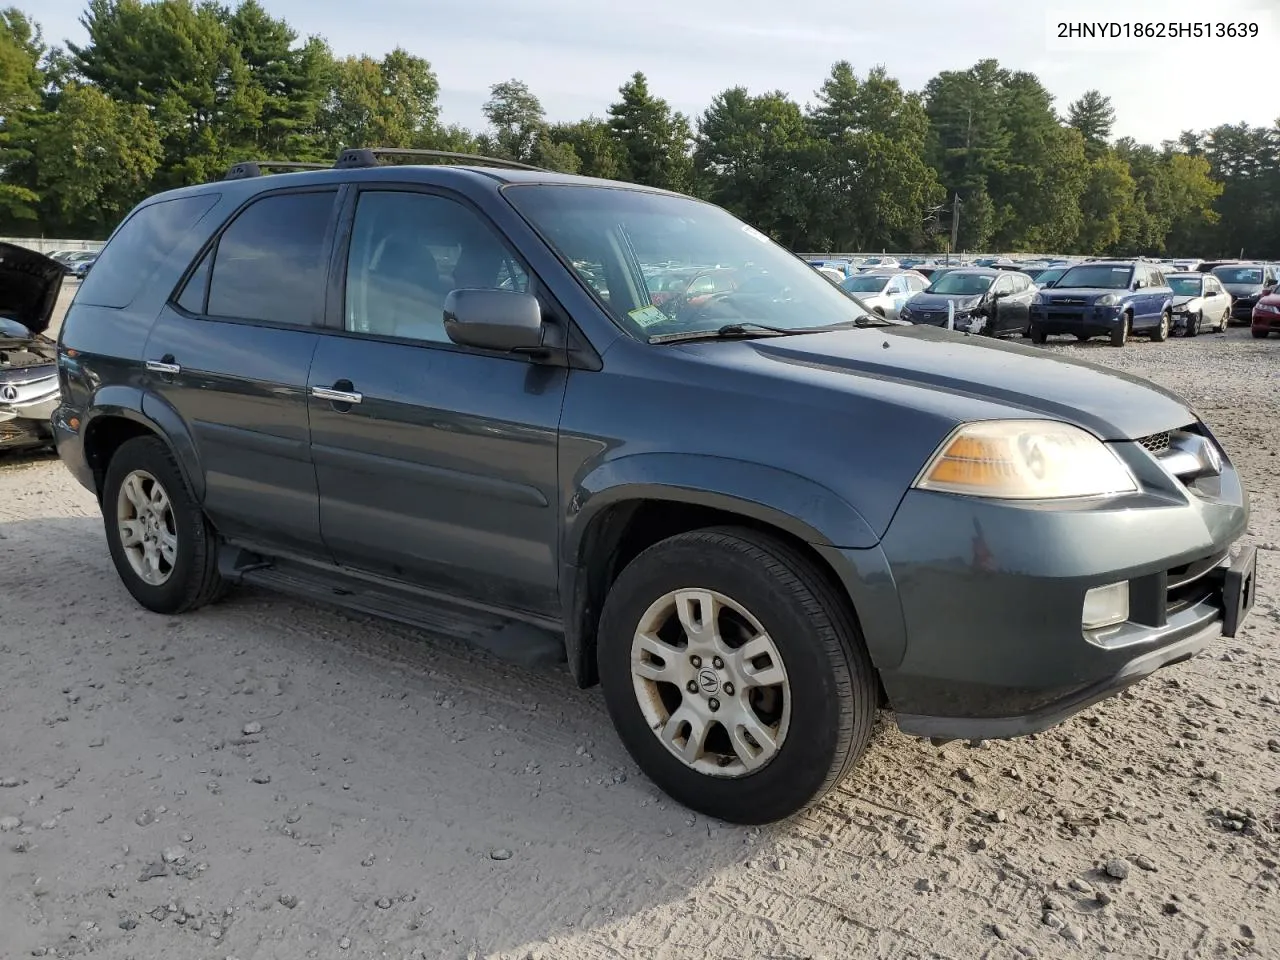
1094	321
28	397
1243	309
991	597
1269	322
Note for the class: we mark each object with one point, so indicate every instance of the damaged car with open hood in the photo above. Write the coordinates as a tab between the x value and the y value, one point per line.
29	287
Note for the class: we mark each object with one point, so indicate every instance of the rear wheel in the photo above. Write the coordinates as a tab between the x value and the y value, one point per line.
736	677
1121	333
162	546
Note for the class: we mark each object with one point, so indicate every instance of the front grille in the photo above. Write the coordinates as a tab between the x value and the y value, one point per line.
1068	301
1157	443
1192	583
16	431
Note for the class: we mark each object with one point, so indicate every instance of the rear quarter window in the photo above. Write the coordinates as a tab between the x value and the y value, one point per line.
138	248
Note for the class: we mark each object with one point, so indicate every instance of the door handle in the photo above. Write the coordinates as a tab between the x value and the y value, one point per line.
336	396
164	365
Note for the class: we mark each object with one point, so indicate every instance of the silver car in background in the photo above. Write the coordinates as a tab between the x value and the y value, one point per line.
884	292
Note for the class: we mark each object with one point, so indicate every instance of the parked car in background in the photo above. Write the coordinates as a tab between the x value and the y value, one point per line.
29	286
884	291
977	300
1266	316
879	263
404	389
1112	298
1187	266
1047	276
1247	283
1199	303
831	273
79	268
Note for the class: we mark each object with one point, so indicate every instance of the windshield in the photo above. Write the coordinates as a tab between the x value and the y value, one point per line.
1185	286
1246	275
865	283
964	284
718	270
1104	276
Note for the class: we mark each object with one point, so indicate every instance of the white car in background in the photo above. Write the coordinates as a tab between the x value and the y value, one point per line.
884	291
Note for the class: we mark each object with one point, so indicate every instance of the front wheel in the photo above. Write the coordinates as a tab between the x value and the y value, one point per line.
1038	335
734	674
162	546
1161	332
1259	334
1193	324
1121	333
1226	321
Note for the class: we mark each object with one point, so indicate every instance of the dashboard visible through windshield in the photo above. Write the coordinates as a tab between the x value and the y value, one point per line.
666	265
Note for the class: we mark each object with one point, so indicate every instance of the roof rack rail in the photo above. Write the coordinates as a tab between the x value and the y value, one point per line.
254	168
352	157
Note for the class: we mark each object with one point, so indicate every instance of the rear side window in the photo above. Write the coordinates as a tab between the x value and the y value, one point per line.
132	257
269	265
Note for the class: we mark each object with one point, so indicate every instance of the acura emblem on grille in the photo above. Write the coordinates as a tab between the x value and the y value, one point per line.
8	392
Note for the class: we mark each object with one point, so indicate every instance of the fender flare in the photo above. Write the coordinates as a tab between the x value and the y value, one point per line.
152	412
792	503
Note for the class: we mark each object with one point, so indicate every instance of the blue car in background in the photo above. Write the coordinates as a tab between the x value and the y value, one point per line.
1111	298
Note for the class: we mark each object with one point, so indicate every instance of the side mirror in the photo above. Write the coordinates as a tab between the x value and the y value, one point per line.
1139	284
504	320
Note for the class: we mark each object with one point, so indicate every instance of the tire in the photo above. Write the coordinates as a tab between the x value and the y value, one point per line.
1121	333
1259	334
1082	338
819	653
1038	335
186	575
1161	333
1226	321
1193	325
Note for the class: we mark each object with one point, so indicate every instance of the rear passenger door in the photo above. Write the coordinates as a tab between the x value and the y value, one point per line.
230	353
436	463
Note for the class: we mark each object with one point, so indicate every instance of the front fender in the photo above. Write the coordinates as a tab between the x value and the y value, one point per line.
150	411
786	500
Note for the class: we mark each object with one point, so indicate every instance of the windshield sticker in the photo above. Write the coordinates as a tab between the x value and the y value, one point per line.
646	317
753	232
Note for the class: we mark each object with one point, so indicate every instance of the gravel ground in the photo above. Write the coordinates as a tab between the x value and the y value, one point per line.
270	779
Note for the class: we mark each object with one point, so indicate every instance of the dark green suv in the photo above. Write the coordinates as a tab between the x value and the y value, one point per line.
446	393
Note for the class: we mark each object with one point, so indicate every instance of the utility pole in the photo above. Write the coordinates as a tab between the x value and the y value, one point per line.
955	224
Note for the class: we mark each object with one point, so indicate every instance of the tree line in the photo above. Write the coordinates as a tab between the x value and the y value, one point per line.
171	92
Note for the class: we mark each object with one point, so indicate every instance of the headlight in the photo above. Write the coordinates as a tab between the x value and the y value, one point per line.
1107	300
1025	460
1038	298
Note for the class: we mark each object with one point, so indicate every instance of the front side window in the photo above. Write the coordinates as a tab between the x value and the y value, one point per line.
1004	285
1097	276
269	264
614	238
408	252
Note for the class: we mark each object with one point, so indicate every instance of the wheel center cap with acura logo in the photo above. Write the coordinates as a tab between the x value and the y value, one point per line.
8	392
708	681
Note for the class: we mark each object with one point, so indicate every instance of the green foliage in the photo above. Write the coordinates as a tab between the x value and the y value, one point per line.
171	92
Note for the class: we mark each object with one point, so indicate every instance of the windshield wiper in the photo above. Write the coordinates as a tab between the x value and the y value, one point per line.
730	331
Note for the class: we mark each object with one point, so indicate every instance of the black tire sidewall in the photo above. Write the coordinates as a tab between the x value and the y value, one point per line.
151	454
819	711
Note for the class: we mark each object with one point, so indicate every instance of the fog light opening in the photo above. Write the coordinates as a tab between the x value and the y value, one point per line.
1105	606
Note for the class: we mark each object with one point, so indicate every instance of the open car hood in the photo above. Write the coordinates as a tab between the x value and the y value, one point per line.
29	286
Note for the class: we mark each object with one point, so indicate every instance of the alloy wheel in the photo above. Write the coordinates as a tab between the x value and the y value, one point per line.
710	682
147	529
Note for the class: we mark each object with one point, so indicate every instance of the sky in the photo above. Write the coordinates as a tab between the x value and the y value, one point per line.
574	54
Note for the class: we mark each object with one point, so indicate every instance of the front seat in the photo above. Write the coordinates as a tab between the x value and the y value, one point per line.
406	294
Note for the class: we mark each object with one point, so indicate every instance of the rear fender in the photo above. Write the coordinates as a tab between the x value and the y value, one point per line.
150	411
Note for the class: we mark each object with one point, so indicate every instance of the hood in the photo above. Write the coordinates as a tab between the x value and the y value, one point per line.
29	286
1182	301
938	301
1079	293
1110	403
1247	290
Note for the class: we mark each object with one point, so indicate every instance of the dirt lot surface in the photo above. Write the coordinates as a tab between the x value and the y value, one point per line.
270	779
